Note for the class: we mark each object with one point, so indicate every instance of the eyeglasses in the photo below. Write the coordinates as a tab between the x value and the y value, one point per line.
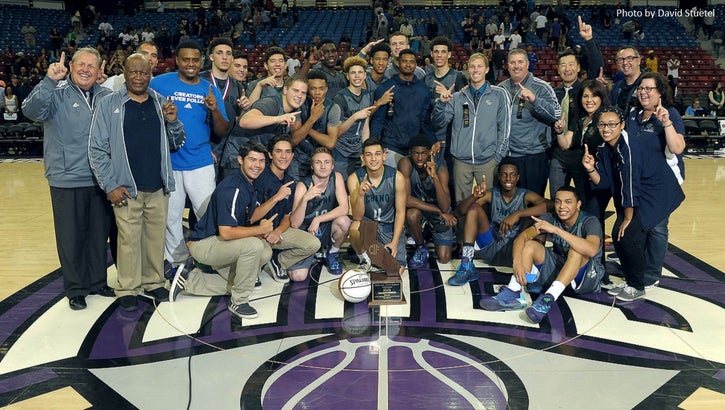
610	125
628	59
646	89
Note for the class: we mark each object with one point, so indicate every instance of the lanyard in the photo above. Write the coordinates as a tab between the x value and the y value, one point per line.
226	87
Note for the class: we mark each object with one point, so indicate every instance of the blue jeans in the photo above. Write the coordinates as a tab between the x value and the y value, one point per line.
655	249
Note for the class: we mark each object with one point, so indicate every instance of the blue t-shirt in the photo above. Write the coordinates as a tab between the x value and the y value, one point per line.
189	98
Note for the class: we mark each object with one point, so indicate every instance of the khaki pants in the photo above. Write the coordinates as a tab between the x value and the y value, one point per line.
141	228
245	257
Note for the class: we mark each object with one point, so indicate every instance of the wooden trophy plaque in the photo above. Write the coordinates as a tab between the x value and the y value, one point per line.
387	286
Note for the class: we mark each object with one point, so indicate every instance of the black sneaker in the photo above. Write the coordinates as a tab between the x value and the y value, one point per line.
128	303
258	284
277	273
178	283
105	291
158	294
243	311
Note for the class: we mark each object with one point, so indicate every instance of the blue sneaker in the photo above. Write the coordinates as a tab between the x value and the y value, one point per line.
465	273
540	308
507	299
420	258
333	263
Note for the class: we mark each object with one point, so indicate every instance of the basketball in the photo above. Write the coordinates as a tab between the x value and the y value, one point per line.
354	285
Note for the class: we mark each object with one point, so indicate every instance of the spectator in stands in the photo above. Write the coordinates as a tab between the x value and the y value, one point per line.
628	29
406	28
10	106
673	72
555	31
536	111
81	212
652	63
406	114
201	110
431	29
28	33
541	22
695	110
717	98
129	156
717	38
660	130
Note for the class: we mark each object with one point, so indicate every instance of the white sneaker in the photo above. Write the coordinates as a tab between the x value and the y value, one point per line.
720	151
652	285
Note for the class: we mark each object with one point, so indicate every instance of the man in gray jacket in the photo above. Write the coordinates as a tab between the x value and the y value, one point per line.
481	121
535	109
81	214
132	131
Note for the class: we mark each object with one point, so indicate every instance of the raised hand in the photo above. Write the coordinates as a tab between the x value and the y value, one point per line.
601	78
314	191
170	110
588	159
363	113
102	76
210	100
57	71
479	191
267	225
526	94
430	167
316	111
543	226
585	30
243	101
365	186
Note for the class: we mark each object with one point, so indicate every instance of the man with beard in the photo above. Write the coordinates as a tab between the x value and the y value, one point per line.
324	60
276	114
81	213
406	114
276	191
193	164
274	63
320	119
131	134
428	199
535	110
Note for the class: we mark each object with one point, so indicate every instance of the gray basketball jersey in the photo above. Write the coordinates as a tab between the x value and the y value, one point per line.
585	225
349	144
380	200
500	210
423	189
305	149
320	205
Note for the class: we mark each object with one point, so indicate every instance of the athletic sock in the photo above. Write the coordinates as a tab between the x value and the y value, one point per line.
556	289
467	251
514	285
333	249
364	257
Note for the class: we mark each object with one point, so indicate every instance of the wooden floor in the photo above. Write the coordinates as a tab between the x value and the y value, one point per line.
27	246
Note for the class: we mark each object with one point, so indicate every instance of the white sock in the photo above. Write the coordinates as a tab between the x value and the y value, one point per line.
514	285
365	257
556	289
334	249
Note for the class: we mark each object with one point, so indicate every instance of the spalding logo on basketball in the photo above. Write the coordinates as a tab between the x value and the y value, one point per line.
354	285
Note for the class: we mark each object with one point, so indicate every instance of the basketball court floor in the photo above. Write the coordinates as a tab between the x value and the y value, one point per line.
308	349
